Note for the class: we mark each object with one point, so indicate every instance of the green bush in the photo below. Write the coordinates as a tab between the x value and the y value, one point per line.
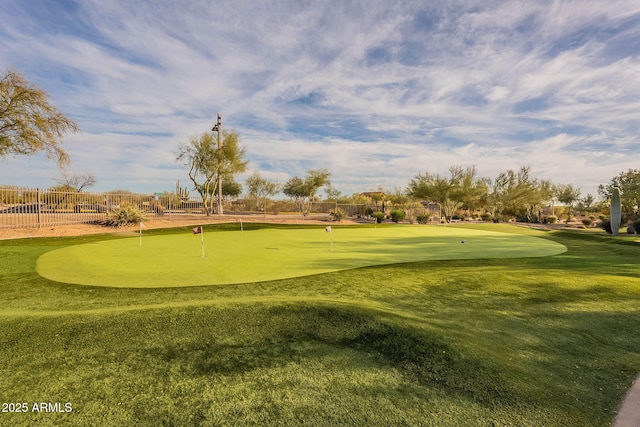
125	215
336	214
486	217
379	216
587	222
500	218
520	217
527	218
422	218
551	219
606	225
397	215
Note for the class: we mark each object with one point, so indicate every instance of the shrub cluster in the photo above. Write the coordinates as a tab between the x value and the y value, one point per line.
422	218
124	215
397	215
379	216
632	229
526	218
336	214
500	218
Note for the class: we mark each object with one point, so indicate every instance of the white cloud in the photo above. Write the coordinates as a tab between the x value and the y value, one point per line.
375	91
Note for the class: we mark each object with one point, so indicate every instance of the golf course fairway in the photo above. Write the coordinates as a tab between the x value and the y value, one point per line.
175	260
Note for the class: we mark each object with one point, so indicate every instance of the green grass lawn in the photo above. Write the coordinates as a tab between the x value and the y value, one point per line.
169	260
540	340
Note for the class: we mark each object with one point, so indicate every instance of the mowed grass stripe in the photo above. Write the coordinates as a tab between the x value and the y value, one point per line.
232	257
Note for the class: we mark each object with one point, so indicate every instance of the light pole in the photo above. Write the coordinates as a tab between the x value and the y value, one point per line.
218	128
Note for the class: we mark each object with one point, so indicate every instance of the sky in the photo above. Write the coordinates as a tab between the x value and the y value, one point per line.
374	91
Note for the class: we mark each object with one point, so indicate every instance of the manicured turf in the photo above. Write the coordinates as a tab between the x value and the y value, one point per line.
269	254
537	341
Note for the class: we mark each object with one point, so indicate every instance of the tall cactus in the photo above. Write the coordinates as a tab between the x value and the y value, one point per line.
616	209
182	193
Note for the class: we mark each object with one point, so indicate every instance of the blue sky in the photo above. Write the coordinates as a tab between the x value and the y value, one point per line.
375	91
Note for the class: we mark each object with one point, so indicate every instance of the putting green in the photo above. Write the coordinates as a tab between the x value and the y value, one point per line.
267	254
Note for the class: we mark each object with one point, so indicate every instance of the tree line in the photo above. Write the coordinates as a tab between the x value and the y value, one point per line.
512	194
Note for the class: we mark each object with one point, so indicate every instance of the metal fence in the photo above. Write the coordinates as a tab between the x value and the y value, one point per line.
288	207
33	207
27	207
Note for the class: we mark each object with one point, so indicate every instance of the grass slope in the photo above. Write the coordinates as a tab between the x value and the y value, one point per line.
531	341
169	260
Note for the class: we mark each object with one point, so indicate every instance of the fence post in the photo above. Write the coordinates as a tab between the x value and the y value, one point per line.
38	204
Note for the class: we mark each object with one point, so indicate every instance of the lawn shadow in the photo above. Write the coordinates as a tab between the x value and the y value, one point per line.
290	333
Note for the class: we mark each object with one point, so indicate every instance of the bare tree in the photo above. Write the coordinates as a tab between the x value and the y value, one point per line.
77	182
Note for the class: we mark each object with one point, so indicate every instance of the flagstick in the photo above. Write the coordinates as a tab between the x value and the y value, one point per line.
140	234
202	239
331	237
241	227
330	231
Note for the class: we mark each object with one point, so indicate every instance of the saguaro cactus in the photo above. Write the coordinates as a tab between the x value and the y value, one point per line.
182	193
616	209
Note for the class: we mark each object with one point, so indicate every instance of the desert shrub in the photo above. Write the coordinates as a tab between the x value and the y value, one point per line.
379	216
486	217
533	218
606	225
521	217
397	215
631	230
551	219
587	222
636	226
422	218
500	218
336	214
125	215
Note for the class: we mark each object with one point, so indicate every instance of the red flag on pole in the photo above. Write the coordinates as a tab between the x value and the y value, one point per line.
200	231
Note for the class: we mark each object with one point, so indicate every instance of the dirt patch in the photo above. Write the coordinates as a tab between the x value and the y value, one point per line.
84	229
